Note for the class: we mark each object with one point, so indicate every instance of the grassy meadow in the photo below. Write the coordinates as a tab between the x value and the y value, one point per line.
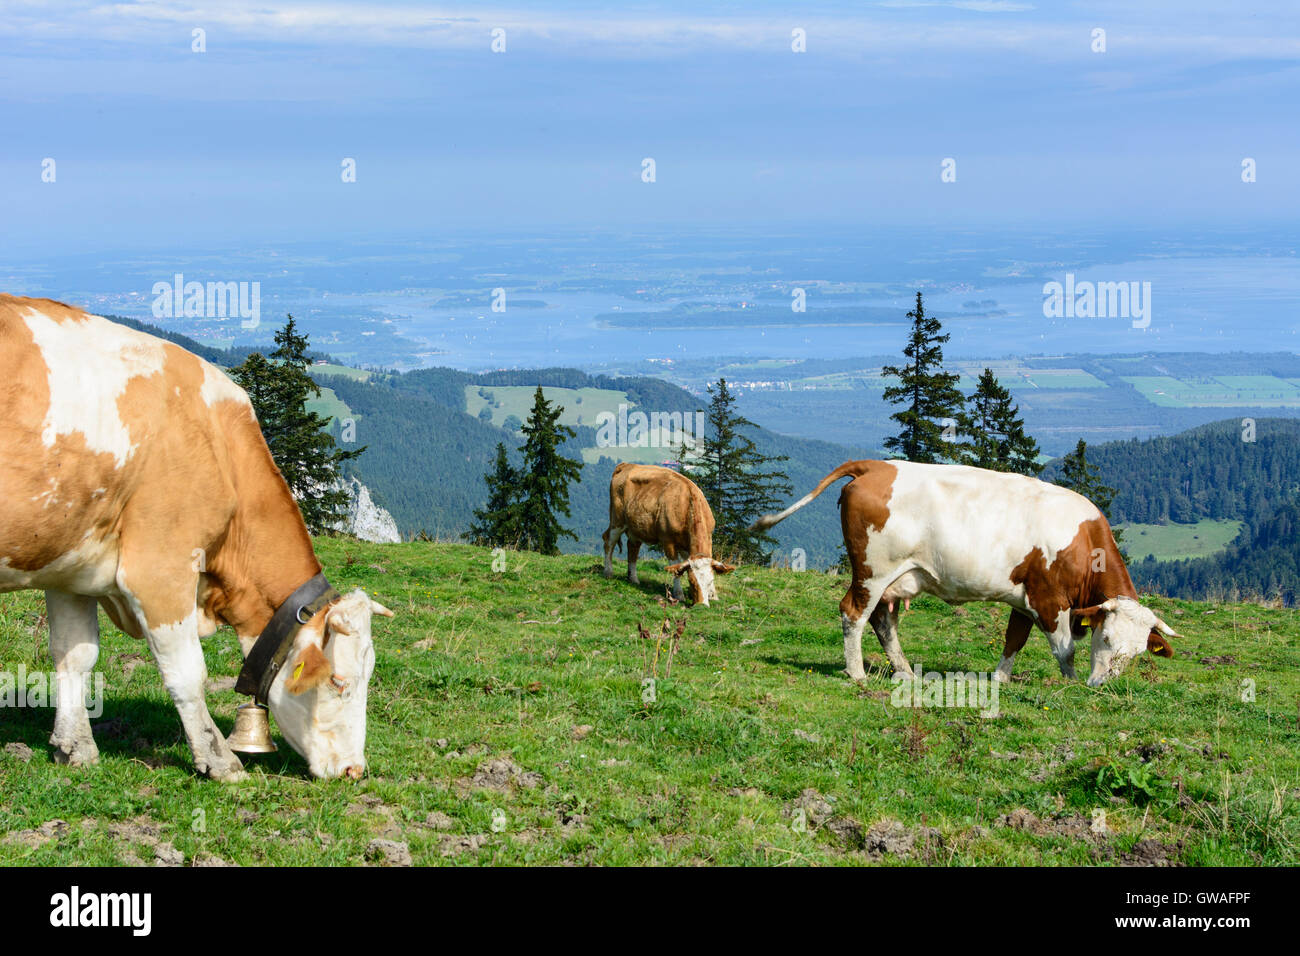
1173	542
509	723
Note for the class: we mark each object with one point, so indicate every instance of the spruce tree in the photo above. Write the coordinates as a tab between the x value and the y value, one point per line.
928	394
1079	476
544	484
735	479
497	524
304	451
997	432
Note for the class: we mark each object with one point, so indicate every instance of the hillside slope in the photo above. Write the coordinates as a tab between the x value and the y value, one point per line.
426	457
510	722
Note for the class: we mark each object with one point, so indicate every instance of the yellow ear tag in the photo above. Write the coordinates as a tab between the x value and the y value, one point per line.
297	671
1085	621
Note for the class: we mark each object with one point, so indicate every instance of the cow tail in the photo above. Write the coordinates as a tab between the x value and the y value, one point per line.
854	468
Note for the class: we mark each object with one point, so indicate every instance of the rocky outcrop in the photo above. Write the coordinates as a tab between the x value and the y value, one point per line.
364	519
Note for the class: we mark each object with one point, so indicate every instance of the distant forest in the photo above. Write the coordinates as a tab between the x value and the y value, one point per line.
1214	472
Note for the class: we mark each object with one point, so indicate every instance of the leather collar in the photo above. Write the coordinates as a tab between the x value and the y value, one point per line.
274	643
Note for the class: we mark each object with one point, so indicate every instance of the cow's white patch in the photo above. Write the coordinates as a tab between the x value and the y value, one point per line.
706	587
218	387
327	725
84	385
1121	637
90	569
958	532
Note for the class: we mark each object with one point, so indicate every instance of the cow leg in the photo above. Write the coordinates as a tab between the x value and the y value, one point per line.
633	552
179	655
74	646
884	621
1018	627
610	538
1062	641
856	609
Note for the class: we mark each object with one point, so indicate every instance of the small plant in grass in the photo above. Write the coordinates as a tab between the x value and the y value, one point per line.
666	640
1138	783
914	737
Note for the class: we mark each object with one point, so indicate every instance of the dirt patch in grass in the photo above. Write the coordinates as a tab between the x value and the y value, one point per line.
503	775
388	853
47	831
1149	852
1073	826
19	750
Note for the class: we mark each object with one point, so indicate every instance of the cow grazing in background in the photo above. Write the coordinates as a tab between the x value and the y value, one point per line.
660	507
135	477
966	534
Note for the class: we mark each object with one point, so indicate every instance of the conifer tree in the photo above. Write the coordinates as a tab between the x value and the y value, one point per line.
736	479
304	451
997	432
928	394
1079	476
497	524
544	483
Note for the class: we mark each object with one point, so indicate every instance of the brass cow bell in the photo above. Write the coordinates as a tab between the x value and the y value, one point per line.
252	733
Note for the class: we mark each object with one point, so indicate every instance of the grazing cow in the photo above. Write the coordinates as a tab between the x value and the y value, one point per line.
660	507
966	534
135	477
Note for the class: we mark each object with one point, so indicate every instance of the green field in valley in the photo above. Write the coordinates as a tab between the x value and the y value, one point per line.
1261	391
329	405
510	722
582	406
1173	542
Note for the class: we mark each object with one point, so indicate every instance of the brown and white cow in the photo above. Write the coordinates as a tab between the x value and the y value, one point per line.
663	508
135	477
967	534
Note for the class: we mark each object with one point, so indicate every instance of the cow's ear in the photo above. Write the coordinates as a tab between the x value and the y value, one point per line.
721	568
309	670
1158	646
377	608
677	568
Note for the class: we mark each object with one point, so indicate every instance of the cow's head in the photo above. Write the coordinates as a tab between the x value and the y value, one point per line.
1121	630
319	696
700	572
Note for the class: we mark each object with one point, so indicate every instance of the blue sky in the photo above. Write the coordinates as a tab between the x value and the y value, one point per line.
156	144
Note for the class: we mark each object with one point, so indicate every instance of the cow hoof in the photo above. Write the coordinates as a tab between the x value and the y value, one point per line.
231	771
227	775
858	677
77	755
1001	678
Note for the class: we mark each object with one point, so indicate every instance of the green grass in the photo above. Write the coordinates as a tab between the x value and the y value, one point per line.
517	400
541	664
582	406
330	405
328	368
1173	542
1260	391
